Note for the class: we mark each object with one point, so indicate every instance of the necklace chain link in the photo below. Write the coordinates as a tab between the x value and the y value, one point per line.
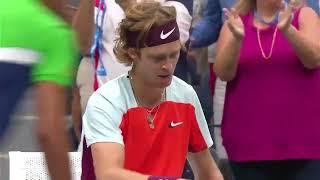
150	117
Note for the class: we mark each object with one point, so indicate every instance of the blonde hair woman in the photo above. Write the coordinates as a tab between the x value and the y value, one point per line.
268	52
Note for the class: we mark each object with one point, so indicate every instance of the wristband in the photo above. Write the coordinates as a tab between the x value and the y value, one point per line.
162	178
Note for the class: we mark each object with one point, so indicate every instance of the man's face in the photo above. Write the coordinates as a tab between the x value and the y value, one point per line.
156	64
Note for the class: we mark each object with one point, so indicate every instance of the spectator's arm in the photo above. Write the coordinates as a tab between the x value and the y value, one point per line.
228	51
305	40
83	23
76	112
55	5
51	128
206	31
58	7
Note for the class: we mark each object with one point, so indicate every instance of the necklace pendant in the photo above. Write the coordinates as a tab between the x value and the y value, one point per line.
151	126
150	121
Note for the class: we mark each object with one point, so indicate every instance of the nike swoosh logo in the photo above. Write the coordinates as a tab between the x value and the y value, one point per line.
165	36
172	124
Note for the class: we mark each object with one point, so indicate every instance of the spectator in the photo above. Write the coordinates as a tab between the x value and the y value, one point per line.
269	54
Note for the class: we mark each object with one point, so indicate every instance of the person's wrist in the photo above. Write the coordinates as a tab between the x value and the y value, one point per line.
162	177
237	39
287	31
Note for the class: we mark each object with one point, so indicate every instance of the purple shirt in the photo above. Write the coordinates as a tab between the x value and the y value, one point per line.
272	107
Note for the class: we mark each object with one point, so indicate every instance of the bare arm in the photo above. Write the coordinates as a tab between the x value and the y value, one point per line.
70	11
83	24
228	50
203	166
228	45
306	40
51	129
57	6
108	159
76	112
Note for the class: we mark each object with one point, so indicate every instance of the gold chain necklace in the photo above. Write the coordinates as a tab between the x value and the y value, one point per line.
150	118
272	44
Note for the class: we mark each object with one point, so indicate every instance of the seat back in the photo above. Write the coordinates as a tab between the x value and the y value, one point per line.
32	165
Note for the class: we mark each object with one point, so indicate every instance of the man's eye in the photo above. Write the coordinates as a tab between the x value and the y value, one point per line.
174	55
158	59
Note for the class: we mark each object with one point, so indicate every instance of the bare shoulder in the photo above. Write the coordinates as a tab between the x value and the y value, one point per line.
308	16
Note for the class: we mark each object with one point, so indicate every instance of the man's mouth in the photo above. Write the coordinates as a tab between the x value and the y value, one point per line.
165	76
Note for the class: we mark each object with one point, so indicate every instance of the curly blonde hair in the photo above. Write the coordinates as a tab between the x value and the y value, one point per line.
140	18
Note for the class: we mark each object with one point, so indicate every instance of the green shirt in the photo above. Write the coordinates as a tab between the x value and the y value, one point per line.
29	25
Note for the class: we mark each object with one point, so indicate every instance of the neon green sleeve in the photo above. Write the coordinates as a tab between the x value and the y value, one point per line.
59	61
32	26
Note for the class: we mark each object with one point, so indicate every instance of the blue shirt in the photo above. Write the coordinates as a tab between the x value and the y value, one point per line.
314	4
207	30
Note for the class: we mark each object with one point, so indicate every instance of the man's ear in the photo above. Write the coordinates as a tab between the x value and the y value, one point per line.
133	53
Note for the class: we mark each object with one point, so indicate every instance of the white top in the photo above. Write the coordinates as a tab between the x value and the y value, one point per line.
85	80
113	16
184	19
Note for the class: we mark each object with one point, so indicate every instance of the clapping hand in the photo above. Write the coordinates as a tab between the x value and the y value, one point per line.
234	23
286	14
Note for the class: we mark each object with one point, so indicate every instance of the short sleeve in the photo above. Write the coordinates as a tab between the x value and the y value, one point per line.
59	59
101	121
200	138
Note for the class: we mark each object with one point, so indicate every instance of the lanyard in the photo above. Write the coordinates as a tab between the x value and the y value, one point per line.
97	41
